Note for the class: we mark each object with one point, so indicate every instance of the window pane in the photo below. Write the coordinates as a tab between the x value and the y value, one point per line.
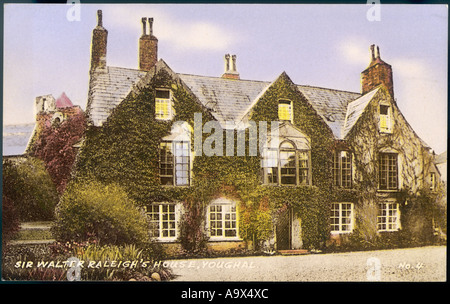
341	217
388	171
162	108
284	111
288	169
163	94
182	151
166	163
222	220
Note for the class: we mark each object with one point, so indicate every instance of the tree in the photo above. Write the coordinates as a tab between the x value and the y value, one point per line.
10	220
30	189
55	146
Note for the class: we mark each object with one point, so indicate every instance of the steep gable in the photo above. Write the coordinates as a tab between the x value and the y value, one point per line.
355	110
107	90
330	104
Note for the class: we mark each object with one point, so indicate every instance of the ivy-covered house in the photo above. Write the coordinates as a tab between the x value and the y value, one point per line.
225	163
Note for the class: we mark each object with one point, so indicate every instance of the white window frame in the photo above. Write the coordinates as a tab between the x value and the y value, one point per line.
339	169
226	207
290	108
161	221
175	164
386	218
272	160
387	117
386	169
340	218
168	101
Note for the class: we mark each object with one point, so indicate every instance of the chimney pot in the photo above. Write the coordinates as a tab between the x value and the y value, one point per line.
99	18
230	67
150	24
144	27
372	51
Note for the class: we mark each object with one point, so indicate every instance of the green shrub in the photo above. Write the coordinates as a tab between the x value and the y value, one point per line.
29	186
10	220
103	211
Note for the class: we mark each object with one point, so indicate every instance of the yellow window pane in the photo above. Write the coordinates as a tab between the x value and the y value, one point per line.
284	112
162	108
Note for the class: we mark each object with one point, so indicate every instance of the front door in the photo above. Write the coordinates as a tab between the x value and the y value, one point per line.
284	230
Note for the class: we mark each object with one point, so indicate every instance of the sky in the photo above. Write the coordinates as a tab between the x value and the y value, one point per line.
47	49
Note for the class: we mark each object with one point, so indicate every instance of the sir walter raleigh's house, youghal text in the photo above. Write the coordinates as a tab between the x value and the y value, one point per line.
330	167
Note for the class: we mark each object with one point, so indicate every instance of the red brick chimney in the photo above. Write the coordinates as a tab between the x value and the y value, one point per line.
148	46
98	45
378	72
230	67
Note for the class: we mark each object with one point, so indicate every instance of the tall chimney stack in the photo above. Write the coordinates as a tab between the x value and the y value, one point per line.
378	72
148	46
98	45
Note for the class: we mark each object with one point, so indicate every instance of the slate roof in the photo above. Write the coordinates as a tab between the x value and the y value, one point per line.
330	104
228	99
108	89
354	111
441	158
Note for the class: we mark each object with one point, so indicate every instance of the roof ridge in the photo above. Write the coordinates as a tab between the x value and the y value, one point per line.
220	77
330	89
122	68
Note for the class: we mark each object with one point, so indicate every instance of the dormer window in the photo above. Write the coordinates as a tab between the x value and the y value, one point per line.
385	119
285	110
163	104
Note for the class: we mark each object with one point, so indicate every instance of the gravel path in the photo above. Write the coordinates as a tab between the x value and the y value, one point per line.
424	264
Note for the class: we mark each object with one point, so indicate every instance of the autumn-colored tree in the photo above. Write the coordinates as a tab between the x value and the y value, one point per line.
55	146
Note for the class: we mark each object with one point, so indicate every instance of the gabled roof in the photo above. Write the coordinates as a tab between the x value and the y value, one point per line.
108	89
355	110
228	99
330	104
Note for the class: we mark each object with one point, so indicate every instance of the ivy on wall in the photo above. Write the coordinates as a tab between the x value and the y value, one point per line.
125	151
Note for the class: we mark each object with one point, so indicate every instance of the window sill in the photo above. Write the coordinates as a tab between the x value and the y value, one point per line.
290	186
175	186
166	240
335	233
388	191
387	231
224	239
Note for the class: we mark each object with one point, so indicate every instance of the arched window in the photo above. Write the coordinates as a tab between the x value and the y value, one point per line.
286	165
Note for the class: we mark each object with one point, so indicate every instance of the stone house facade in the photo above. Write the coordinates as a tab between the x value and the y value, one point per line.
327	162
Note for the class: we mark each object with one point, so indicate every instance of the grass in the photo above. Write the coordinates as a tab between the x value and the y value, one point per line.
33	234
34	231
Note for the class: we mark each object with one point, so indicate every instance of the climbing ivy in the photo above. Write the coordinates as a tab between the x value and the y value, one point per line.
125	151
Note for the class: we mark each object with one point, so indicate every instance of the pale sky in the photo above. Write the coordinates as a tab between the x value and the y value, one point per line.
319	45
